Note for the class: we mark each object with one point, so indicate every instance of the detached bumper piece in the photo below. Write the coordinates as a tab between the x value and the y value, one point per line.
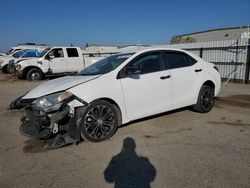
56	129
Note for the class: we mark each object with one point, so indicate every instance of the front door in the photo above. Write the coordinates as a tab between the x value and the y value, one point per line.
150	92
58	64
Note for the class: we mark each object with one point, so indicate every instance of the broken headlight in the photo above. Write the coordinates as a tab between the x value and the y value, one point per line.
52	102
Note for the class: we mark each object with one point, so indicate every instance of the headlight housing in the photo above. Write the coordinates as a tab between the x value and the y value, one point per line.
52	102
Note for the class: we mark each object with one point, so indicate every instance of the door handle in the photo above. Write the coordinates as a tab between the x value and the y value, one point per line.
198	70
165	77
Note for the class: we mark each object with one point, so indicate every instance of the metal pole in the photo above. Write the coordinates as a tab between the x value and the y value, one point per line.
247	63
201	52
236	58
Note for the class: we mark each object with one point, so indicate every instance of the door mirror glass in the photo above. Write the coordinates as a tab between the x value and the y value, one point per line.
51	56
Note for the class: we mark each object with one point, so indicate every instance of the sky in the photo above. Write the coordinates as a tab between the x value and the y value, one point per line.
113	22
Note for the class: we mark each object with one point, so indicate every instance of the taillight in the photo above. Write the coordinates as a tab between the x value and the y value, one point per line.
216	68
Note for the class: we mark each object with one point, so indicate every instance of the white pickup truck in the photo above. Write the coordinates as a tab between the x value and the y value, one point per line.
52	61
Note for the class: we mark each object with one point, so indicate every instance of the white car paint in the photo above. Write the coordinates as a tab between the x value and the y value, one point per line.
5	60
139	97
63	64
26	46
57	85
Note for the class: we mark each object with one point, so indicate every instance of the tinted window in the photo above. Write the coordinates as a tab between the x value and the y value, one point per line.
57	52
105	65
72	52
148	63
30	54
18	53
177	60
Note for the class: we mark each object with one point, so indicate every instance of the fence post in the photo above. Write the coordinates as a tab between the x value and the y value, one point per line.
247	63
201	52
236	59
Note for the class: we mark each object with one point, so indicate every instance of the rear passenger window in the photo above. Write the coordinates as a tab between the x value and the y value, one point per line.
72	52
148	63
175	60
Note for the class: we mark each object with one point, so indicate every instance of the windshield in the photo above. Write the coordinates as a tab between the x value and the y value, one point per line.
19	53
30	53
10	51
105	65
44	52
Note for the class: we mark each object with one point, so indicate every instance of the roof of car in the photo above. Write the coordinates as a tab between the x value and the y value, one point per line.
148	49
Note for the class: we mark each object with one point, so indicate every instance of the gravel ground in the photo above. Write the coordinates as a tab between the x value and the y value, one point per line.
175	149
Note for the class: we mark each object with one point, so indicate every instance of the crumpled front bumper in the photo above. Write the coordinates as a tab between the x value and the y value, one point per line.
66	122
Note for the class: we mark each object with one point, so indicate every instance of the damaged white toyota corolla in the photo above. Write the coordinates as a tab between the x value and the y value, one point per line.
116	90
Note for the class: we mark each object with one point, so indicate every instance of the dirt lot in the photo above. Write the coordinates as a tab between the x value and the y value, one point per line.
176	149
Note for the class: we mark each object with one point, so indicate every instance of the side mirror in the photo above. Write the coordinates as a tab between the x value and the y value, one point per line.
50	56
132	71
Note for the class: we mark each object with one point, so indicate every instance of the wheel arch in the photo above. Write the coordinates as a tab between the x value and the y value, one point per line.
26	69
115	104
209	83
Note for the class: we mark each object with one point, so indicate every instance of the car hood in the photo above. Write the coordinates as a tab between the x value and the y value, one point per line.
57	85
30	60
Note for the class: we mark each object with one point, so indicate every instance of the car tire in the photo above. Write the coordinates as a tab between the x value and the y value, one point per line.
34	74
8	69
205	101
4	69
100	121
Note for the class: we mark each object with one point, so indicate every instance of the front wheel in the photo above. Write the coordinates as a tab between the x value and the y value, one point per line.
99	122
205	100
34	74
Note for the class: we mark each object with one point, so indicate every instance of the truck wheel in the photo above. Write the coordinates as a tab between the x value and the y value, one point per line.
34	74
205	101
4	70
99	122
10	69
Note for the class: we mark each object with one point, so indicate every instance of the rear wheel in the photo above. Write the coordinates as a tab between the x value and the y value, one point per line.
99	122
34	74
205	100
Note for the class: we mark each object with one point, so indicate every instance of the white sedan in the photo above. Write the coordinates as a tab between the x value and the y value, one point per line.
116	90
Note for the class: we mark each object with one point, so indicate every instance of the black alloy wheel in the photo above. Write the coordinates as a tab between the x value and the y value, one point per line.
205	100
99	122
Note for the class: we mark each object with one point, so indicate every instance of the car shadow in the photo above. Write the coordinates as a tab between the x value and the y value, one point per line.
127	169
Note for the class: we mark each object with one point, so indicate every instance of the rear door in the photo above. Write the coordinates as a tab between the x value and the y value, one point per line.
75	62
186	74
150	92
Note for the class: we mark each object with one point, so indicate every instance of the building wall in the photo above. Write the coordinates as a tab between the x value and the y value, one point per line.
100	49
217	35
229	55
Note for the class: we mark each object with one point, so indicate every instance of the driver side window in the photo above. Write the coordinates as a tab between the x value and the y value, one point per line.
57	52
148	63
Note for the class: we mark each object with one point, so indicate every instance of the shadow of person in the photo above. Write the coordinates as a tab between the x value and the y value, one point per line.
127	169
